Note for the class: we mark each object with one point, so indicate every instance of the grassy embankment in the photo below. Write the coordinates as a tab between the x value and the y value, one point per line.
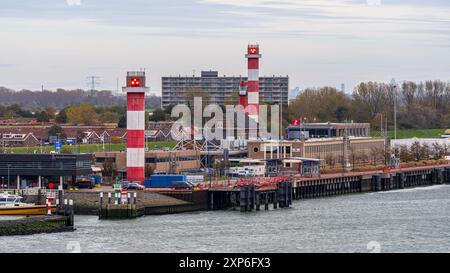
86	148
431	133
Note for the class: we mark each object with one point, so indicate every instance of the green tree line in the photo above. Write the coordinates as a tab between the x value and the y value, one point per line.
423	105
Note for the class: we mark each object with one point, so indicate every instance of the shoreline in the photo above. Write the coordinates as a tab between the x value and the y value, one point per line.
35	225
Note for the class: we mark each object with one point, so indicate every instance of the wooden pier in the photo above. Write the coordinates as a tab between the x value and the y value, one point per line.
249	198
119	206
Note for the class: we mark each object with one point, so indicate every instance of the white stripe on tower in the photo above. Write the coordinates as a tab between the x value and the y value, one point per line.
136	157
135	120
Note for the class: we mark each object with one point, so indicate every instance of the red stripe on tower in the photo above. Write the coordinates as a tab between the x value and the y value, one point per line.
136	173
135	139
136	126
136	101
253	57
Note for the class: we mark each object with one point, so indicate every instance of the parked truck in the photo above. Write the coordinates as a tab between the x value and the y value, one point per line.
164	180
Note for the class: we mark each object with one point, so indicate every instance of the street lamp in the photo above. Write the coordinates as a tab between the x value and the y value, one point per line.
9	165
394	90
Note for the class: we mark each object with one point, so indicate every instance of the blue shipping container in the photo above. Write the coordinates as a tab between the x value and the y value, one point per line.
163	181
98	179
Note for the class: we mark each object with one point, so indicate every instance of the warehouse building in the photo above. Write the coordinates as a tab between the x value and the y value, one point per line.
39	170
161	161
330	151
328	130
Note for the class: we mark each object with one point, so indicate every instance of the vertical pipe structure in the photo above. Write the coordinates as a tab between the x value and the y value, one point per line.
136	90
253	57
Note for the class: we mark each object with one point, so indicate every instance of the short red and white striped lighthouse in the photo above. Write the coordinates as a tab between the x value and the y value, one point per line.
253	57
136	90
243	94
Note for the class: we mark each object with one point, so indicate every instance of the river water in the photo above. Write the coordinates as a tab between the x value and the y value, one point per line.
411	220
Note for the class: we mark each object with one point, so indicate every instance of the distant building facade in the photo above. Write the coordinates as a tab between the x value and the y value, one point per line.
37	170
161	161
31	136
18	140
272	90
328	130
360	150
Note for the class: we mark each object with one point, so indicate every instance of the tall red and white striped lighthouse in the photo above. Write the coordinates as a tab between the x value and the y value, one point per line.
136	90
253	57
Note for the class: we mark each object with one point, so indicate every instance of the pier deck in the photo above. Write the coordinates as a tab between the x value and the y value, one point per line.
247	198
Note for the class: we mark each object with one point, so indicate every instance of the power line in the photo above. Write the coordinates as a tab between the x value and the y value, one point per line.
92	82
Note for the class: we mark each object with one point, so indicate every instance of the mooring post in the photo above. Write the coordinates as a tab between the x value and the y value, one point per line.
211	200
58	209
376	183
290	193
275	199
448	175
66	207
285	194
49	208
39	196
248	197
60	195
281	194
266	201
232	200
257	201
402	178
242	199
71	212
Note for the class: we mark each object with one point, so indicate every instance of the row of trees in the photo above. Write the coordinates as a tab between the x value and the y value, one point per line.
423	105
87	114
16	111
61	98
418	152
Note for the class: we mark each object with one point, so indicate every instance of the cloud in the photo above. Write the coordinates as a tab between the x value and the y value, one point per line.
7	65
73	2
327	41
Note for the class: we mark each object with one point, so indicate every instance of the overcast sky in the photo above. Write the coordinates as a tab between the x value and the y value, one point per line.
58	43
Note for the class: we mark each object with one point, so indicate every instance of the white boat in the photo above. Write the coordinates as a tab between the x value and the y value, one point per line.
10	200
12	205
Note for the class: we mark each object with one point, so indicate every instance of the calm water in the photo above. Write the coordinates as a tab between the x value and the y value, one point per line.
412	220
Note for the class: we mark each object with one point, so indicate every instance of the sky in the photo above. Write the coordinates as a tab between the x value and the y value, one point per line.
58	43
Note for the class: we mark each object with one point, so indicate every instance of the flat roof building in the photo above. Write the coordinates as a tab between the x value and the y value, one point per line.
360	150
161	161
328	130
273	90
33	170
